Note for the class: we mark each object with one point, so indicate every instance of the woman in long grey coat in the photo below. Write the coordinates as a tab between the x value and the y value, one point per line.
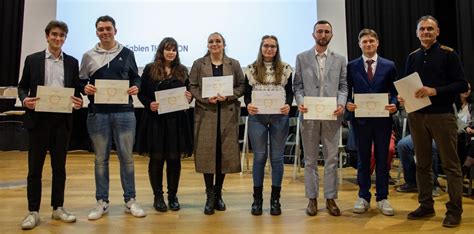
216	121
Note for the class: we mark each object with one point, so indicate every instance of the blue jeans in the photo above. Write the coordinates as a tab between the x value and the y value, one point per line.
260	126
406	152
102	128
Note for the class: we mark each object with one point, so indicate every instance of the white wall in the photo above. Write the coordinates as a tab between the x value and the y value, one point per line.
334	11
37	14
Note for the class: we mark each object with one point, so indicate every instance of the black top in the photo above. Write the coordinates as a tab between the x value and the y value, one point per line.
217	70
439	67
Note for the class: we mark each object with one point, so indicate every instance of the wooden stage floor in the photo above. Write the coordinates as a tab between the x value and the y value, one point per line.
80	199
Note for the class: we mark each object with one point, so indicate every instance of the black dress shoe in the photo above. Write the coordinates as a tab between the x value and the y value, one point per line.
451	221
421	213
173	203
160	204
219	203
312	208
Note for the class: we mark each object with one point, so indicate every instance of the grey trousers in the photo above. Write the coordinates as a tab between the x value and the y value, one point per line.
326	132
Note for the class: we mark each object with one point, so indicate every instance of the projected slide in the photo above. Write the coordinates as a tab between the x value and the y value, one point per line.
141	25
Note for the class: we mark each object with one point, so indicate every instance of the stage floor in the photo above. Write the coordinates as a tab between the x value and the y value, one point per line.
80	199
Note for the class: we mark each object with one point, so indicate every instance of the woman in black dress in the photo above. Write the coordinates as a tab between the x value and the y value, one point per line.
164	136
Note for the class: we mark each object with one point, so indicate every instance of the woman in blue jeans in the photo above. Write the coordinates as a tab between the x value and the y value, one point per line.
268	73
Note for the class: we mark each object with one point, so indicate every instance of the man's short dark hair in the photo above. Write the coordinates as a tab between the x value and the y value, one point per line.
56	24
368	32
427	17
321	22
105	18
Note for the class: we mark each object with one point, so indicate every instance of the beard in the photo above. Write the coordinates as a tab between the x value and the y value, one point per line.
323	42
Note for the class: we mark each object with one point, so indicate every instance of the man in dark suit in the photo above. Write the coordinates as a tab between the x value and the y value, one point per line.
372	74
48	131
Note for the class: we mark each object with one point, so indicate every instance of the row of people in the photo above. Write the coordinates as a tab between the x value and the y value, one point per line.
318	72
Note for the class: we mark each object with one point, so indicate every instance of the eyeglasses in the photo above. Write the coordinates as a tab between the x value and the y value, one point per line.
267	46
320	31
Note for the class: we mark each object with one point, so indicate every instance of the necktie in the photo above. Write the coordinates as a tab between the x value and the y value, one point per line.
370	73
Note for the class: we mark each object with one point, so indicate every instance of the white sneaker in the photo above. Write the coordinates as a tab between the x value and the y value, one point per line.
61	214
361	206
385	207
100	209
31	220
133	208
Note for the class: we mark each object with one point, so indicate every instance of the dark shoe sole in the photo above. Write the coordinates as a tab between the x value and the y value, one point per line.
208	212
220	208
275	213
175	208
421	217
450	225
311	214
256	212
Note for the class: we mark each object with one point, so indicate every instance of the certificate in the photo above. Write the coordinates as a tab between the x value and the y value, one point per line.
320	108
111	92
54	99
371	105
407	88
171	100
268	102
222	85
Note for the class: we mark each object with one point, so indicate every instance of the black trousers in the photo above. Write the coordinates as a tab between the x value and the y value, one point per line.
173	172
51	134
219	176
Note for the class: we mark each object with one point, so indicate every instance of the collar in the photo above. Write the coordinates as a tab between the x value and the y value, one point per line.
49	55
367	58
325	52
435	45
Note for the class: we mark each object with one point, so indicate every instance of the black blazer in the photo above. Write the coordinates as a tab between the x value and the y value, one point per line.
33	75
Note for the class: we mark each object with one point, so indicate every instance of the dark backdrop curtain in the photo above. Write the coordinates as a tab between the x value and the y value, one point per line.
11	26
465	20
395	23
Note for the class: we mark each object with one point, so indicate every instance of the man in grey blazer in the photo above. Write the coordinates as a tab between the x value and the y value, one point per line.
320	72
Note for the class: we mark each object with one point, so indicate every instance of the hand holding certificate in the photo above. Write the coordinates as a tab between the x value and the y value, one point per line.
371	105
111	91
222	85
54	99
407	88
171	100
320	108
268	102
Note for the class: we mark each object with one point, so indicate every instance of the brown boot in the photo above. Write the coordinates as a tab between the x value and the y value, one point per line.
312	208
332	207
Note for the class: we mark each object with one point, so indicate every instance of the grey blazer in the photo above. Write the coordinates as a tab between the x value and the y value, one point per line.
307	82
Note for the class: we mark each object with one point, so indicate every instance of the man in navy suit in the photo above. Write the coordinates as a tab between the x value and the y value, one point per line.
372	74
48	131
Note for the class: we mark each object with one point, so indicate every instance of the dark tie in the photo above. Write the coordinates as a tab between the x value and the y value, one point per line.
370	73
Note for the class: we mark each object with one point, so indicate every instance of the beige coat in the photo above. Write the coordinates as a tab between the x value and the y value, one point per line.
205	118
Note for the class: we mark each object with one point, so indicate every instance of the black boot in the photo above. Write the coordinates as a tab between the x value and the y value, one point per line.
257	200
159	203
218	202
173	202
275	207
209	207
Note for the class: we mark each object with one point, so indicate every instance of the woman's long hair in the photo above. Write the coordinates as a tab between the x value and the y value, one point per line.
157	68
259	65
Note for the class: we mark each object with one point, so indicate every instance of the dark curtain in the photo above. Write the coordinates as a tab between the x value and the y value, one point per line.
465	21
11	27
395	23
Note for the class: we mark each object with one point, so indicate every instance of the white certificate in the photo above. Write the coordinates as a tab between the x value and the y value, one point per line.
111	92
320	108
222	85
54	99
371	105
407	88
268	102
171	100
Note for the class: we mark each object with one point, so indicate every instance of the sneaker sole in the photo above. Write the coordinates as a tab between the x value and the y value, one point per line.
359	211
64	221
104	213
